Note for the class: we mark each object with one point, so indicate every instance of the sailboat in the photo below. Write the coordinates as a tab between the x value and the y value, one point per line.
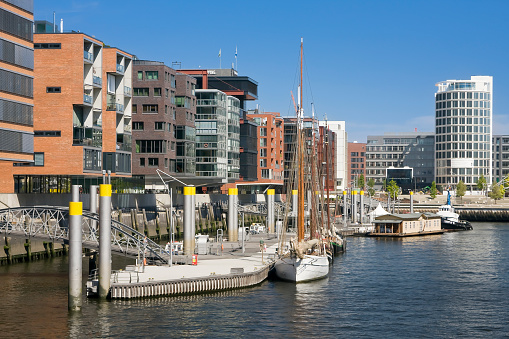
305	260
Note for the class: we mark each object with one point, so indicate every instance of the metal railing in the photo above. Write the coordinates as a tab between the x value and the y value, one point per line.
88	56
114	107
97	80
87	99
120	68
127	90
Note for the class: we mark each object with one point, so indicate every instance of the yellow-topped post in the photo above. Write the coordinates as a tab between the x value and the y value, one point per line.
295	201
104	240
354	206
75	250
411	202
233	223
270	210
361	210
189	219
345	206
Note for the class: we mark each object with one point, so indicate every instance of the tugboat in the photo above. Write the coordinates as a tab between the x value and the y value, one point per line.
450	219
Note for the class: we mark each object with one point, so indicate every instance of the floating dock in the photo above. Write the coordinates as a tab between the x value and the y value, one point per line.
232	270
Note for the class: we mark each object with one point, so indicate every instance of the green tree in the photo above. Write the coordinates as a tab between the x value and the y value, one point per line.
497	192
433	190
371	185
461	189
384	184
361	182
393	189
481	183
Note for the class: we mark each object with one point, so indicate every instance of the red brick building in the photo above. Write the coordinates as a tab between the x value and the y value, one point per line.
356	164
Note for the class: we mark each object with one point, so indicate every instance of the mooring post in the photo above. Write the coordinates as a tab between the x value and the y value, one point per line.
270	210
189	219
104	239
345	208
354	206
232	214
361	211
93	207
75	250
411	202
295	200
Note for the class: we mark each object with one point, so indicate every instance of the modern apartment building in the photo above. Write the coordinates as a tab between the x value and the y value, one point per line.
212	137
164	109
16	89
82	115
327	152
339	129
463	128
414	150
270	149
500	162
244	89
356	162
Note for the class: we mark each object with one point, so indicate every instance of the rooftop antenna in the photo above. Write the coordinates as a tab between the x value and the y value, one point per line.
176	63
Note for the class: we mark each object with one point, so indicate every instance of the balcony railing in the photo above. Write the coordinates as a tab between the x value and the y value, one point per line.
88	56
87	99
115	107
127	128
120	68
127	90
207	102
97	80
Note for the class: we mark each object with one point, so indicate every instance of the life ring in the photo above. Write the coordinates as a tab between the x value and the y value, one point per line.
205	145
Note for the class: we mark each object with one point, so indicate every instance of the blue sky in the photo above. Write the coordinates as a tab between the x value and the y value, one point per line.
373	64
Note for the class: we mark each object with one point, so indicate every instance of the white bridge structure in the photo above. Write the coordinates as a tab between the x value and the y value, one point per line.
50	223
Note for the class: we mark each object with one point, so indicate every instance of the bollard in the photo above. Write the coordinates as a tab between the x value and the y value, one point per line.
189	220
270	210
93	207
75	250
361	211
345	208
295	202
354	206
104	239
232	214
411	202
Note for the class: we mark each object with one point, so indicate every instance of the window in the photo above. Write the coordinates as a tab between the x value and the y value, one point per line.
173	83
135	109
153	161
142	162
140	92
47	46
159	126
151	75
47	133
140	77
157	92
53	90
167	92
138	125
38	159
149	108
150	146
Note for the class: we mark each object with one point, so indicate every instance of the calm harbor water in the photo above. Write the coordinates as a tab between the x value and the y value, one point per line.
452	285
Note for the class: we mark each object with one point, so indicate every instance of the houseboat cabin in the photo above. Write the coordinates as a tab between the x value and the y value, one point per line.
403	225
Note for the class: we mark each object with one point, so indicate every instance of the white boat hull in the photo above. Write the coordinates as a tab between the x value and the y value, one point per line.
312	267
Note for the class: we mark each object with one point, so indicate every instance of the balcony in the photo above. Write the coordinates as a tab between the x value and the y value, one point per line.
120	68
127	90
127	128
87	56
87	99
115	107
87	136
206	102
97	81
124	142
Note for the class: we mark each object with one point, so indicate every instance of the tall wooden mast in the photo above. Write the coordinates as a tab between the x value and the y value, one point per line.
300	148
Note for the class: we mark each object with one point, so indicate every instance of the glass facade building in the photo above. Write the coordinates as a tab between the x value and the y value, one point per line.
212	134
463	131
